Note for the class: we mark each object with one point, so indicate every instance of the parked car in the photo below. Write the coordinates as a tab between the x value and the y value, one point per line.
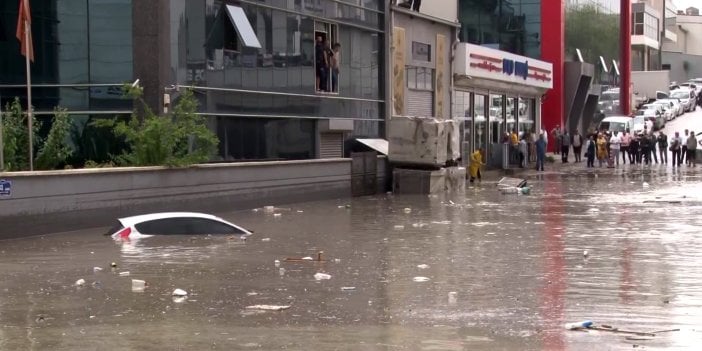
649	115
658	113
668	112
174	223
641	123
686	97
616	123
674	105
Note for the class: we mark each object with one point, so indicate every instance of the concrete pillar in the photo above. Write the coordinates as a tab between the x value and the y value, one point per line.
151	50
553	50
625	57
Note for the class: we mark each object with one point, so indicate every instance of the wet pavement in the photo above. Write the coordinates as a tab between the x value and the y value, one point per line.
476	271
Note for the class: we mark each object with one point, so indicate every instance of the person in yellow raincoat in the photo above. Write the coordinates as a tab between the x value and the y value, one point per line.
601	149
476	161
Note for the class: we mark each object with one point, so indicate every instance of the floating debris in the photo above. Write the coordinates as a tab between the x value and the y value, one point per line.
348	288
124	274
420	279
80	282
422	266
269	307
179	292
322	276
138	285
399	227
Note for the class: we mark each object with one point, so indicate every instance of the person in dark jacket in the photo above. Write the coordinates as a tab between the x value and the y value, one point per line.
663	147
634	154
590	152
646	148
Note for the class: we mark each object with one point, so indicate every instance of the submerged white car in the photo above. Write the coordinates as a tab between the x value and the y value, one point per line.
174	223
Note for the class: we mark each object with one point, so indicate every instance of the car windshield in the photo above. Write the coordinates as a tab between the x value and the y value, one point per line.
680	95
639	120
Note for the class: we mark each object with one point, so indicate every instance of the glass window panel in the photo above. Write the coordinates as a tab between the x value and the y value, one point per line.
412	77
481	133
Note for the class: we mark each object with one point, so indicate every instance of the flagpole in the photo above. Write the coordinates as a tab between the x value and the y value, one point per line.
30	118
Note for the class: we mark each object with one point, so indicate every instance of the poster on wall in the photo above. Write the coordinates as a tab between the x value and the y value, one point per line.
5	188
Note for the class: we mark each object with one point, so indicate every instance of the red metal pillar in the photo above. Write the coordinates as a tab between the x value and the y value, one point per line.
625	57
553	51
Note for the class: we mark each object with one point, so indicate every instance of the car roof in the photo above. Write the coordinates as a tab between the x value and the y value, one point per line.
130	221
622	119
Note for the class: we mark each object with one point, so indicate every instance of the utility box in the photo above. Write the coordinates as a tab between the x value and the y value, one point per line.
423	142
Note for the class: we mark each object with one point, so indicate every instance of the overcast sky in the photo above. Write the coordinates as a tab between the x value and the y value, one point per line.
683	4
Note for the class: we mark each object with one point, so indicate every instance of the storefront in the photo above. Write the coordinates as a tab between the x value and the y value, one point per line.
496	92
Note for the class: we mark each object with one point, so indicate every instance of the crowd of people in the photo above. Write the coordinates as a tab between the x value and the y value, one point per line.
645	148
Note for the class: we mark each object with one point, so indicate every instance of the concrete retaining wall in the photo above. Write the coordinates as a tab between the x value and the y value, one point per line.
47	202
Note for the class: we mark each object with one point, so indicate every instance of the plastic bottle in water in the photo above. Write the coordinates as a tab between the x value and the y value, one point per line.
577	325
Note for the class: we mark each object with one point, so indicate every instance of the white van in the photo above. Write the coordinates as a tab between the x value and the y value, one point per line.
617	123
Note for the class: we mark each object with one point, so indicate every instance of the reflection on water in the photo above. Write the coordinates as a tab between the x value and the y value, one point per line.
515	265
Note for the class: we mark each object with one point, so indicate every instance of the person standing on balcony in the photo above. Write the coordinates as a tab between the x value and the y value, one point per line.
321	63
335	63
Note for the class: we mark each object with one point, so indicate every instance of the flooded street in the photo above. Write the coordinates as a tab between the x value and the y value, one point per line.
503	272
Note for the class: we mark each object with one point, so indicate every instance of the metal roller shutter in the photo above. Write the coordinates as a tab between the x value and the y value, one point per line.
331	145
420	103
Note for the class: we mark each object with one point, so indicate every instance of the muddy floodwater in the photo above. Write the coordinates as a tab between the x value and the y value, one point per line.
480	271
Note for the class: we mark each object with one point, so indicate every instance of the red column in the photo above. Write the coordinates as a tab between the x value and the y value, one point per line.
625	57
553	51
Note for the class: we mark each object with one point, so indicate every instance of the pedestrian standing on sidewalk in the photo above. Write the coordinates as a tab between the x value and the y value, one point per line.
532	145
634	155
653	147
577	145
676	149
523	150
614	145
624	147
646	148
565	146
663	147
556	132
601	149
684	147
590	151
540	153
691	149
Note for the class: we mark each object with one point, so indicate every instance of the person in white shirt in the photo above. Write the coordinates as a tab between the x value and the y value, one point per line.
614	145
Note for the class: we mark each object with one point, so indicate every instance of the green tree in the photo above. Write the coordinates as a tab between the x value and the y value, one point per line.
593	32
56	150
178	139
15	138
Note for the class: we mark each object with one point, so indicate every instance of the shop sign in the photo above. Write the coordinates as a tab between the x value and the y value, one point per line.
498	65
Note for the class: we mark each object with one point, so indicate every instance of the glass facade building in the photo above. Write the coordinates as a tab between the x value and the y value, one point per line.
260	89
509	25
83	53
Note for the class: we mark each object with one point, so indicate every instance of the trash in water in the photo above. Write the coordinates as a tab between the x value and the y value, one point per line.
512	182
281	271
277	215
80	282
422	266
399	227
252	293
593	210
268	209
322	276
408	210
276	263
585	253
419	225
646	185
266	239
577	325
179	292
97	269
420	279
337	260
138	285
307	258
123	274
348	288
300	211
344	206
179	299
452	297
268	307
113	265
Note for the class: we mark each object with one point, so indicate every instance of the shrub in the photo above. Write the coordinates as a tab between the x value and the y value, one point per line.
15	138
179	139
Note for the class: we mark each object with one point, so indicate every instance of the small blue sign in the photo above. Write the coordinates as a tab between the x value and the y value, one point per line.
5	188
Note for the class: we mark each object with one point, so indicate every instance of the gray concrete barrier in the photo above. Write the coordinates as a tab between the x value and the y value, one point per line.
52	201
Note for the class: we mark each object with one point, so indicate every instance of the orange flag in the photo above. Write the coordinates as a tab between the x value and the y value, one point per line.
25	16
